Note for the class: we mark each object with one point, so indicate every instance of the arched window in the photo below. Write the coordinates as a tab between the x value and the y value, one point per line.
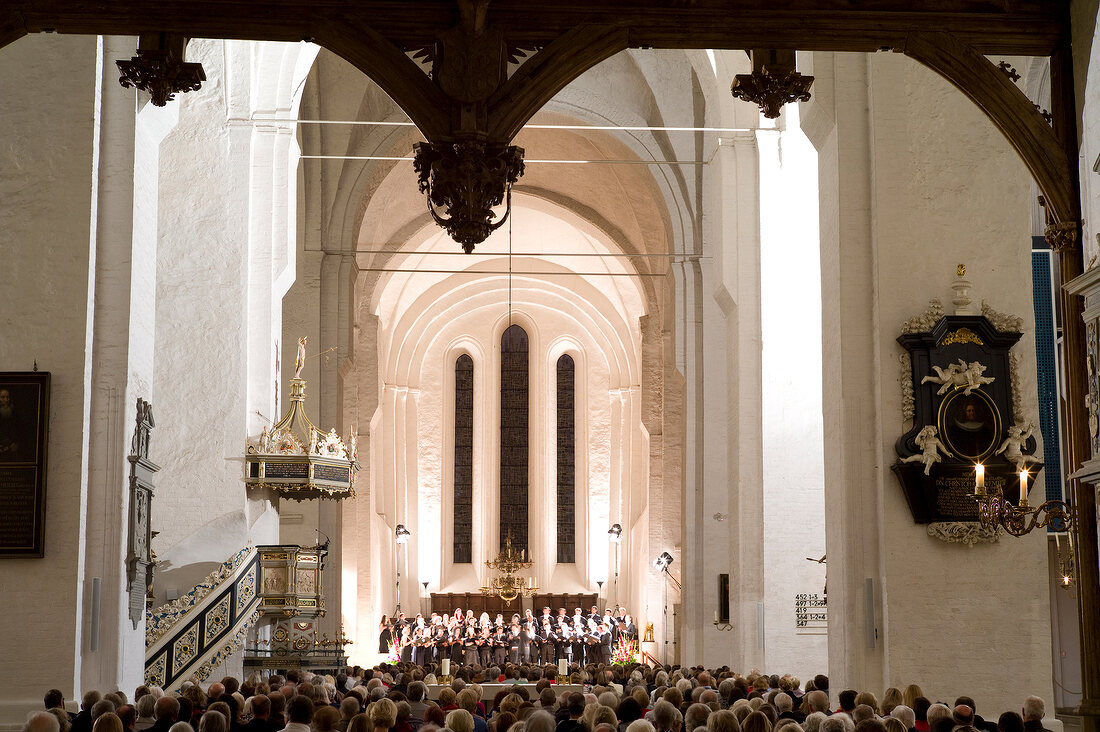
464	460
513	437
566	466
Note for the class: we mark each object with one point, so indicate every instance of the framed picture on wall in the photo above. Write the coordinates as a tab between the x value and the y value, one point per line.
24	432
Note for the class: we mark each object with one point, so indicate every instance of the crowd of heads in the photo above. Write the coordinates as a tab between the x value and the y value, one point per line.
531	698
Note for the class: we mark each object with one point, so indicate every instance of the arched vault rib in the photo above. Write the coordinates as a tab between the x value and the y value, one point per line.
537	81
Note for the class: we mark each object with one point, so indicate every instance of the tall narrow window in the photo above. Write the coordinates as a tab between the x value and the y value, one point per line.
513	437
464	459
567	468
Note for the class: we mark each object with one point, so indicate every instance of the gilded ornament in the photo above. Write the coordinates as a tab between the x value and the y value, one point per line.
962	335
960	271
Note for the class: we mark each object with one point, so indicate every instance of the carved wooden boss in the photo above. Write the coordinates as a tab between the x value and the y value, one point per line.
470	75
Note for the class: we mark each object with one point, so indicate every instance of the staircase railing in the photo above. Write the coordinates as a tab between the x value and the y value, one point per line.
193	635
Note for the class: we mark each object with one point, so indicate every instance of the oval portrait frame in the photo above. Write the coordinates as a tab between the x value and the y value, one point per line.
944	423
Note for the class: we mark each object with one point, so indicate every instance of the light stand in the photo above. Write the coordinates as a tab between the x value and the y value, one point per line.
401	536
599	592
425	583
662	563
615	536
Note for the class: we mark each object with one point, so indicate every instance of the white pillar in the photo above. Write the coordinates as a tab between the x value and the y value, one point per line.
47	212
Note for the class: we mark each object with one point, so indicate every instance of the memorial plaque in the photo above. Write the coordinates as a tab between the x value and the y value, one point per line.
961	382
24	430
298	471
331	472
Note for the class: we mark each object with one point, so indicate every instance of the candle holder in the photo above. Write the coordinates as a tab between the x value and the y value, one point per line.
995	511
509	584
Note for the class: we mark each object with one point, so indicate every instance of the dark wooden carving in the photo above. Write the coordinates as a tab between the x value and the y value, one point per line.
139	552
470	97
159	68
567	601
971	421
24	437
773	81
447	602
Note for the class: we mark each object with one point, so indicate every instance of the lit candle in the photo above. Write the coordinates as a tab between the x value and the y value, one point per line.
979	480
1023	487
563	669
446	669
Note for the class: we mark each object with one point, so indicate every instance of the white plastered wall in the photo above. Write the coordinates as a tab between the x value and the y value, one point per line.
914	180
47	202
226	258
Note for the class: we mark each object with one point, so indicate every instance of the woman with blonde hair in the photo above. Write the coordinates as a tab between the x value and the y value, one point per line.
108	722
866	697
723	720
383	714
460	720
359	723
756	722
911	694
601	715
213	721
891	699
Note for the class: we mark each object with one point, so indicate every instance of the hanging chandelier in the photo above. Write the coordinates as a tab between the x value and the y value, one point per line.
297	460
508	584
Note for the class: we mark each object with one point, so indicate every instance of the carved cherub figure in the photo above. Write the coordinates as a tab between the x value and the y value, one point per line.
961	374
974	378
1013	446
930	446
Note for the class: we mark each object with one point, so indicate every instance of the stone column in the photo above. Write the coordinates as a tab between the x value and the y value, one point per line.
51	94
849	366
122	367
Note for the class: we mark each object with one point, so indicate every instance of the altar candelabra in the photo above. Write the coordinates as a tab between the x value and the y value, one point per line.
994	510
508	584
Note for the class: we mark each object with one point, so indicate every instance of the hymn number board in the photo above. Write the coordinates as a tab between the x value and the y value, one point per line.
811	613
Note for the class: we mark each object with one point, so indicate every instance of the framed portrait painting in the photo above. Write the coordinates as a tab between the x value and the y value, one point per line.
24	432
970	424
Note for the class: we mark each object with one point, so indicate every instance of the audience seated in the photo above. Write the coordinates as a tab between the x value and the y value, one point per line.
614	698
